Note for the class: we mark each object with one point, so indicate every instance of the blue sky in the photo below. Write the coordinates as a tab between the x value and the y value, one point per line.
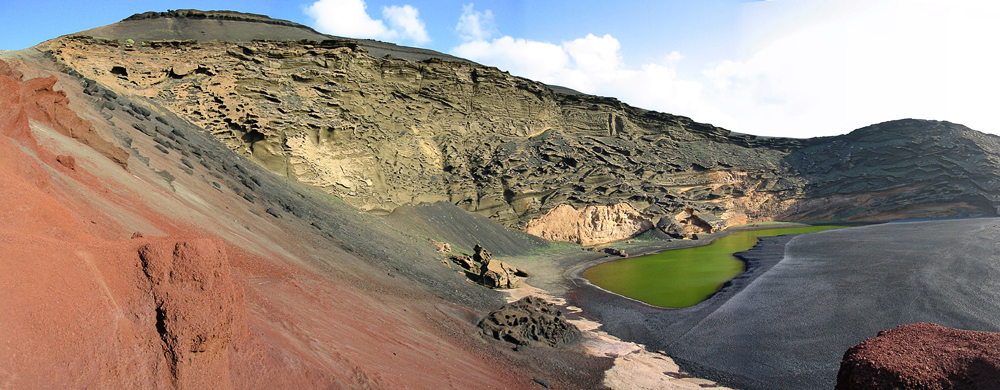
797	68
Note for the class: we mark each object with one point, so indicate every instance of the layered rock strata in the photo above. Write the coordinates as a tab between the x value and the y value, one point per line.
384	132
355	119
591	225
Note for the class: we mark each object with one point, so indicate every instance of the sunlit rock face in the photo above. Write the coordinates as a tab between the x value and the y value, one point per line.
380	126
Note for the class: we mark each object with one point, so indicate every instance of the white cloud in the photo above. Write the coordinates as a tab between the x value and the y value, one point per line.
591	64
474	25
810	68
349	18
535	60
406	20
855	63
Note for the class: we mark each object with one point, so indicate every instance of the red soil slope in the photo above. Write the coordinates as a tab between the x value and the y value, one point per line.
82	305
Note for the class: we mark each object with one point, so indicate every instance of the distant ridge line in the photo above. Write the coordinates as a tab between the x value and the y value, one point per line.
217	15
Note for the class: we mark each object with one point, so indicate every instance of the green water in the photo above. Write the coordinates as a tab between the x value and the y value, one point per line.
682	277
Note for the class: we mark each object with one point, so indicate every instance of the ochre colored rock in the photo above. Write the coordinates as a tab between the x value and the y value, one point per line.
495	273
463	261
923	356
592	225
443	248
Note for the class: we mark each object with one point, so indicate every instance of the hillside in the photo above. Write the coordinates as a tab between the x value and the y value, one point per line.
382	131
139	252
217	199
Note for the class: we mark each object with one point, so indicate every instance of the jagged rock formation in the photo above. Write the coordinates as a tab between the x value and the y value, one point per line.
383	131
922	356
490	272
529	321
35	99
366	129
495	273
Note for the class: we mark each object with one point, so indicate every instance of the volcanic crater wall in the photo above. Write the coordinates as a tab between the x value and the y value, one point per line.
368	129
384	132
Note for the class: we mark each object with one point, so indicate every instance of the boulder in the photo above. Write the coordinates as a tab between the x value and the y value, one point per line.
923	356
671	227
463	261
689	223
495	273
482	255
443	248
530	321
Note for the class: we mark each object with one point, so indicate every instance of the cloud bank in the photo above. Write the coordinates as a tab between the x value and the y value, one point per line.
849	64
591	64
349	18
806	68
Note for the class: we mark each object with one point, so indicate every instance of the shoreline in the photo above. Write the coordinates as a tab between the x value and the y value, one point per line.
575	273
656	328
598	313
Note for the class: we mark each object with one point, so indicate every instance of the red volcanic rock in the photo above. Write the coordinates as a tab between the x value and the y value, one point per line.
199	309
923	356
67	161
35	99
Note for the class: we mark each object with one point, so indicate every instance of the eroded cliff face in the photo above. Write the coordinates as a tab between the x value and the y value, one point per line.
379	133
591	225
383	132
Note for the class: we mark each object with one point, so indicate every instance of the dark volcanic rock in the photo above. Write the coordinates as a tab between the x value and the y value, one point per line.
530	320
923	356
899	169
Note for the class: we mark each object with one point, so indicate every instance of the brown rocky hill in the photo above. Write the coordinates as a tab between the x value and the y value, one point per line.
380	126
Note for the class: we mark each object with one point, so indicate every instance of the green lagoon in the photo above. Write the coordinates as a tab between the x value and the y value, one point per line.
682	277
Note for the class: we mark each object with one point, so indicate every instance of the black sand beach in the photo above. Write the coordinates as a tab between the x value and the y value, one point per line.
805	299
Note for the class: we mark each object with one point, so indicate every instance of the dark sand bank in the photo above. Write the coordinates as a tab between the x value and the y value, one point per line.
805	299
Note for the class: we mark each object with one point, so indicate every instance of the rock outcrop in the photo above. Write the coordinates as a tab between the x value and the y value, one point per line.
200	311
530	321
492	273
495	273
365	129
591	225
383	131
688	224
36	100
923	356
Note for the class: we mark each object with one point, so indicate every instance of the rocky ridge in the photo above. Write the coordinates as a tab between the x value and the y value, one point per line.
365	129
326	112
